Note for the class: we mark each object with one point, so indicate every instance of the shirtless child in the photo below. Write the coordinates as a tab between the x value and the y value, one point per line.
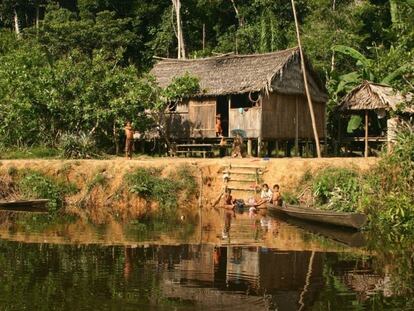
227	200
129	140
277	197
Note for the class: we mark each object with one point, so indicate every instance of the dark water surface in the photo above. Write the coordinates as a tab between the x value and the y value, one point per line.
234	264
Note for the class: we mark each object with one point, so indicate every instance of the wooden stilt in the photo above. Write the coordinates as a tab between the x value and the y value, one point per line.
366	134
297	128
249	147
277	148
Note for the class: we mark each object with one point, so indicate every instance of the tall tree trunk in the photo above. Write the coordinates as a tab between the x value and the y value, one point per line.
37	16
305	82
180	36
16	23
239	18
116	141
333	52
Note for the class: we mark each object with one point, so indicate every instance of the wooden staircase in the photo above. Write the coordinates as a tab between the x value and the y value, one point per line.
243	179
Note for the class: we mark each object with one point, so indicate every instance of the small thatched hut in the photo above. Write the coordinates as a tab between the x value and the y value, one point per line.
261	94
375	102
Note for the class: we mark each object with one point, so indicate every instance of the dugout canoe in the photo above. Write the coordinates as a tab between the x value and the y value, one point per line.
343	219
35	206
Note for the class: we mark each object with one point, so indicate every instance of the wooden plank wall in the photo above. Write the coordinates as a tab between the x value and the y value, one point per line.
248	120
279	117
202	116
178	123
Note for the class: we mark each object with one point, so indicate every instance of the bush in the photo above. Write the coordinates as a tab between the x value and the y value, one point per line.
77	146
337	188
389	189
186	181
36	185
148	184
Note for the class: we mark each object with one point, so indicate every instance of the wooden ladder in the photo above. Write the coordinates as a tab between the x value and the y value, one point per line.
237	177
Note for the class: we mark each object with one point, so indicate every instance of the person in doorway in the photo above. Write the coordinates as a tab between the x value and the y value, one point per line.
219	128
277	197
265	195
129	140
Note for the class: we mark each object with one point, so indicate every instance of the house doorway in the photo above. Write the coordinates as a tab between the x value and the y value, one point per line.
222	108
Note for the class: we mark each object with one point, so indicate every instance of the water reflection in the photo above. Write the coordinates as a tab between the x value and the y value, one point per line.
185	277
236	262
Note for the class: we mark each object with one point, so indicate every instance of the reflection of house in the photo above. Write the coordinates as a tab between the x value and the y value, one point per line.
248	278
262	94
373	103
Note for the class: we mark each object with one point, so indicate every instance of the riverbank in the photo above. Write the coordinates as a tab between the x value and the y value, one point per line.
100	190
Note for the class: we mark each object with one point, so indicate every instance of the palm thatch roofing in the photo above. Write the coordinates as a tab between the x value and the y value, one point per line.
373	96
237	74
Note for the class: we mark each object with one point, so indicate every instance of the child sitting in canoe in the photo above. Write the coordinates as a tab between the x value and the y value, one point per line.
265	196
276	197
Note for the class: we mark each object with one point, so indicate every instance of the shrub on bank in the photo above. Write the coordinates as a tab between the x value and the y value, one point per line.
34	152
388	195
148	184
335	188
36	185
78	146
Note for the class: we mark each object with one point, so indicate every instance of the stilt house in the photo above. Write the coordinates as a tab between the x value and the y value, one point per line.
262	94
375	103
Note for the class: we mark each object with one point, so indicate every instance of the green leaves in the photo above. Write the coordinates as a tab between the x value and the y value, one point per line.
181	87
361	59
354	123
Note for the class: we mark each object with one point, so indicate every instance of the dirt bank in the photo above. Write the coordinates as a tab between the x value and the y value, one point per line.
102	201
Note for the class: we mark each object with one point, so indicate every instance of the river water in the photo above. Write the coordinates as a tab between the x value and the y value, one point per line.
223	262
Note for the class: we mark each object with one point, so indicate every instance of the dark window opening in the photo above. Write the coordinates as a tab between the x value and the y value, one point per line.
246	100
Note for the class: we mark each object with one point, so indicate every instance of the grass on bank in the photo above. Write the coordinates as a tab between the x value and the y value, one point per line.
150	185
38	152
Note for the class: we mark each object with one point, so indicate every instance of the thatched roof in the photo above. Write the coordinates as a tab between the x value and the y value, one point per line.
236	74
373	96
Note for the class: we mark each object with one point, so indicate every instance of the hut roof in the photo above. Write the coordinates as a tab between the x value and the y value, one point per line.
232	74
373	96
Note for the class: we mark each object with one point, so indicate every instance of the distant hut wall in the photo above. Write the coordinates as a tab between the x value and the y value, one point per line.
247	119
281	112
202	116
193	118
178	123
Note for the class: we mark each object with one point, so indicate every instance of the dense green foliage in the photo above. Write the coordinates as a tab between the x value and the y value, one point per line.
385	193
337	189
389	191
79	146
150	185
36	185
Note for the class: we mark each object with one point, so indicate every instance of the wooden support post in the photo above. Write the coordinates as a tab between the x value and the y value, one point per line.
338	141
297	128
249	147
277	148
259	146
366	134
